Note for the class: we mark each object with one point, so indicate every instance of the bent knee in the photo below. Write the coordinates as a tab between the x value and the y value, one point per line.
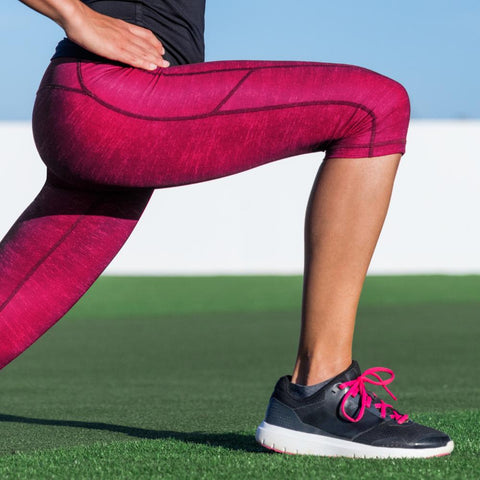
395	100
390	106
383	117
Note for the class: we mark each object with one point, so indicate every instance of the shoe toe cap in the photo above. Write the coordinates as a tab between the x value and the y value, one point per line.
433	440
411	435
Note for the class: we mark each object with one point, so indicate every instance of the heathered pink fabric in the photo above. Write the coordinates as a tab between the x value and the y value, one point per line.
110	134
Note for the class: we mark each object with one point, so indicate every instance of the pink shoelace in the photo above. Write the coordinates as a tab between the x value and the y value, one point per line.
357	386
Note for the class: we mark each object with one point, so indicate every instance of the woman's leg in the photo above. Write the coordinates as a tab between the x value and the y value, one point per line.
54	252
345	214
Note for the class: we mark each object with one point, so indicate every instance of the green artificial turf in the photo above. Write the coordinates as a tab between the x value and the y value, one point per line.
168	378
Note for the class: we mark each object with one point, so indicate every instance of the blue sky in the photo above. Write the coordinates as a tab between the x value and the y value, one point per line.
429	46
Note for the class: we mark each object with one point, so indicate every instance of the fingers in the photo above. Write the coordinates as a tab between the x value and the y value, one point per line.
135	54
149	37
135	60
146	50
146	62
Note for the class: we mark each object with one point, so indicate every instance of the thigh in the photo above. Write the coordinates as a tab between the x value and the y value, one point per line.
116	125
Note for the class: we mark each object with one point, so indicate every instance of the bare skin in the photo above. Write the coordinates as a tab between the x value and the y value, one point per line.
345	215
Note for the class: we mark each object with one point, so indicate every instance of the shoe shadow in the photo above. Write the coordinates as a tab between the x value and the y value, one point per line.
231	441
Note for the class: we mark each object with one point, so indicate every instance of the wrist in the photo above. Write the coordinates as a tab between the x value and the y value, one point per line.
70	15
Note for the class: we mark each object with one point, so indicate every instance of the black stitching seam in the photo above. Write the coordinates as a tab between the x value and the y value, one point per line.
52	86
263	67
232	91
40	262
377	144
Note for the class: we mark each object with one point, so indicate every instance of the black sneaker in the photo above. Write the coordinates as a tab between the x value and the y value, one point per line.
344	419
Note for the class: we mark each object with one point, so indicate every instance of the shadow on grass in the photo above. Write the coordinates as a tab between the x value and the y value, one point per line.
232	441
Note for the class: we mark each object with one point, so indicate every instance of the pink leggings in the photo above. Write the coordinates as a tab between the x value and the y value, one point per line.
110	134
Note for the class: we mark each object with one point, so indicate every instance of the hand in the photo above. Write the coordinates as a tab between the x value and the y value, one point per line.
115	39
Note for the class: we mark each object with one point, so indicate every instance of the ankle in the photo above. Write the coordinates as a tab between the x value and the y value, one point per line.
311	370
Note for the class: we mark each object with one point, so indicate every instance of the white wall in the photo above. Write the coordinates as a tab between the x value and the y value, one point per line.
253	222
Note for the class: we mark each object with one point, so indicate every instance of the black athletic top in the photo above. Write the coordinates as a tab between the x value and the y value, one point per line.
178	24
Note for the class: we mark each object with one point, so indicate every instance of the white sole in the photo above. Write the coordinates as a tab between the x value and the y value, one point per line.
285	440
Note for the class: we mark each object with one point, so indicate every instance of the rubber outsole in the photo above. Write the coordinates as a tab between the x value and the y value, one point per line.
284	440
